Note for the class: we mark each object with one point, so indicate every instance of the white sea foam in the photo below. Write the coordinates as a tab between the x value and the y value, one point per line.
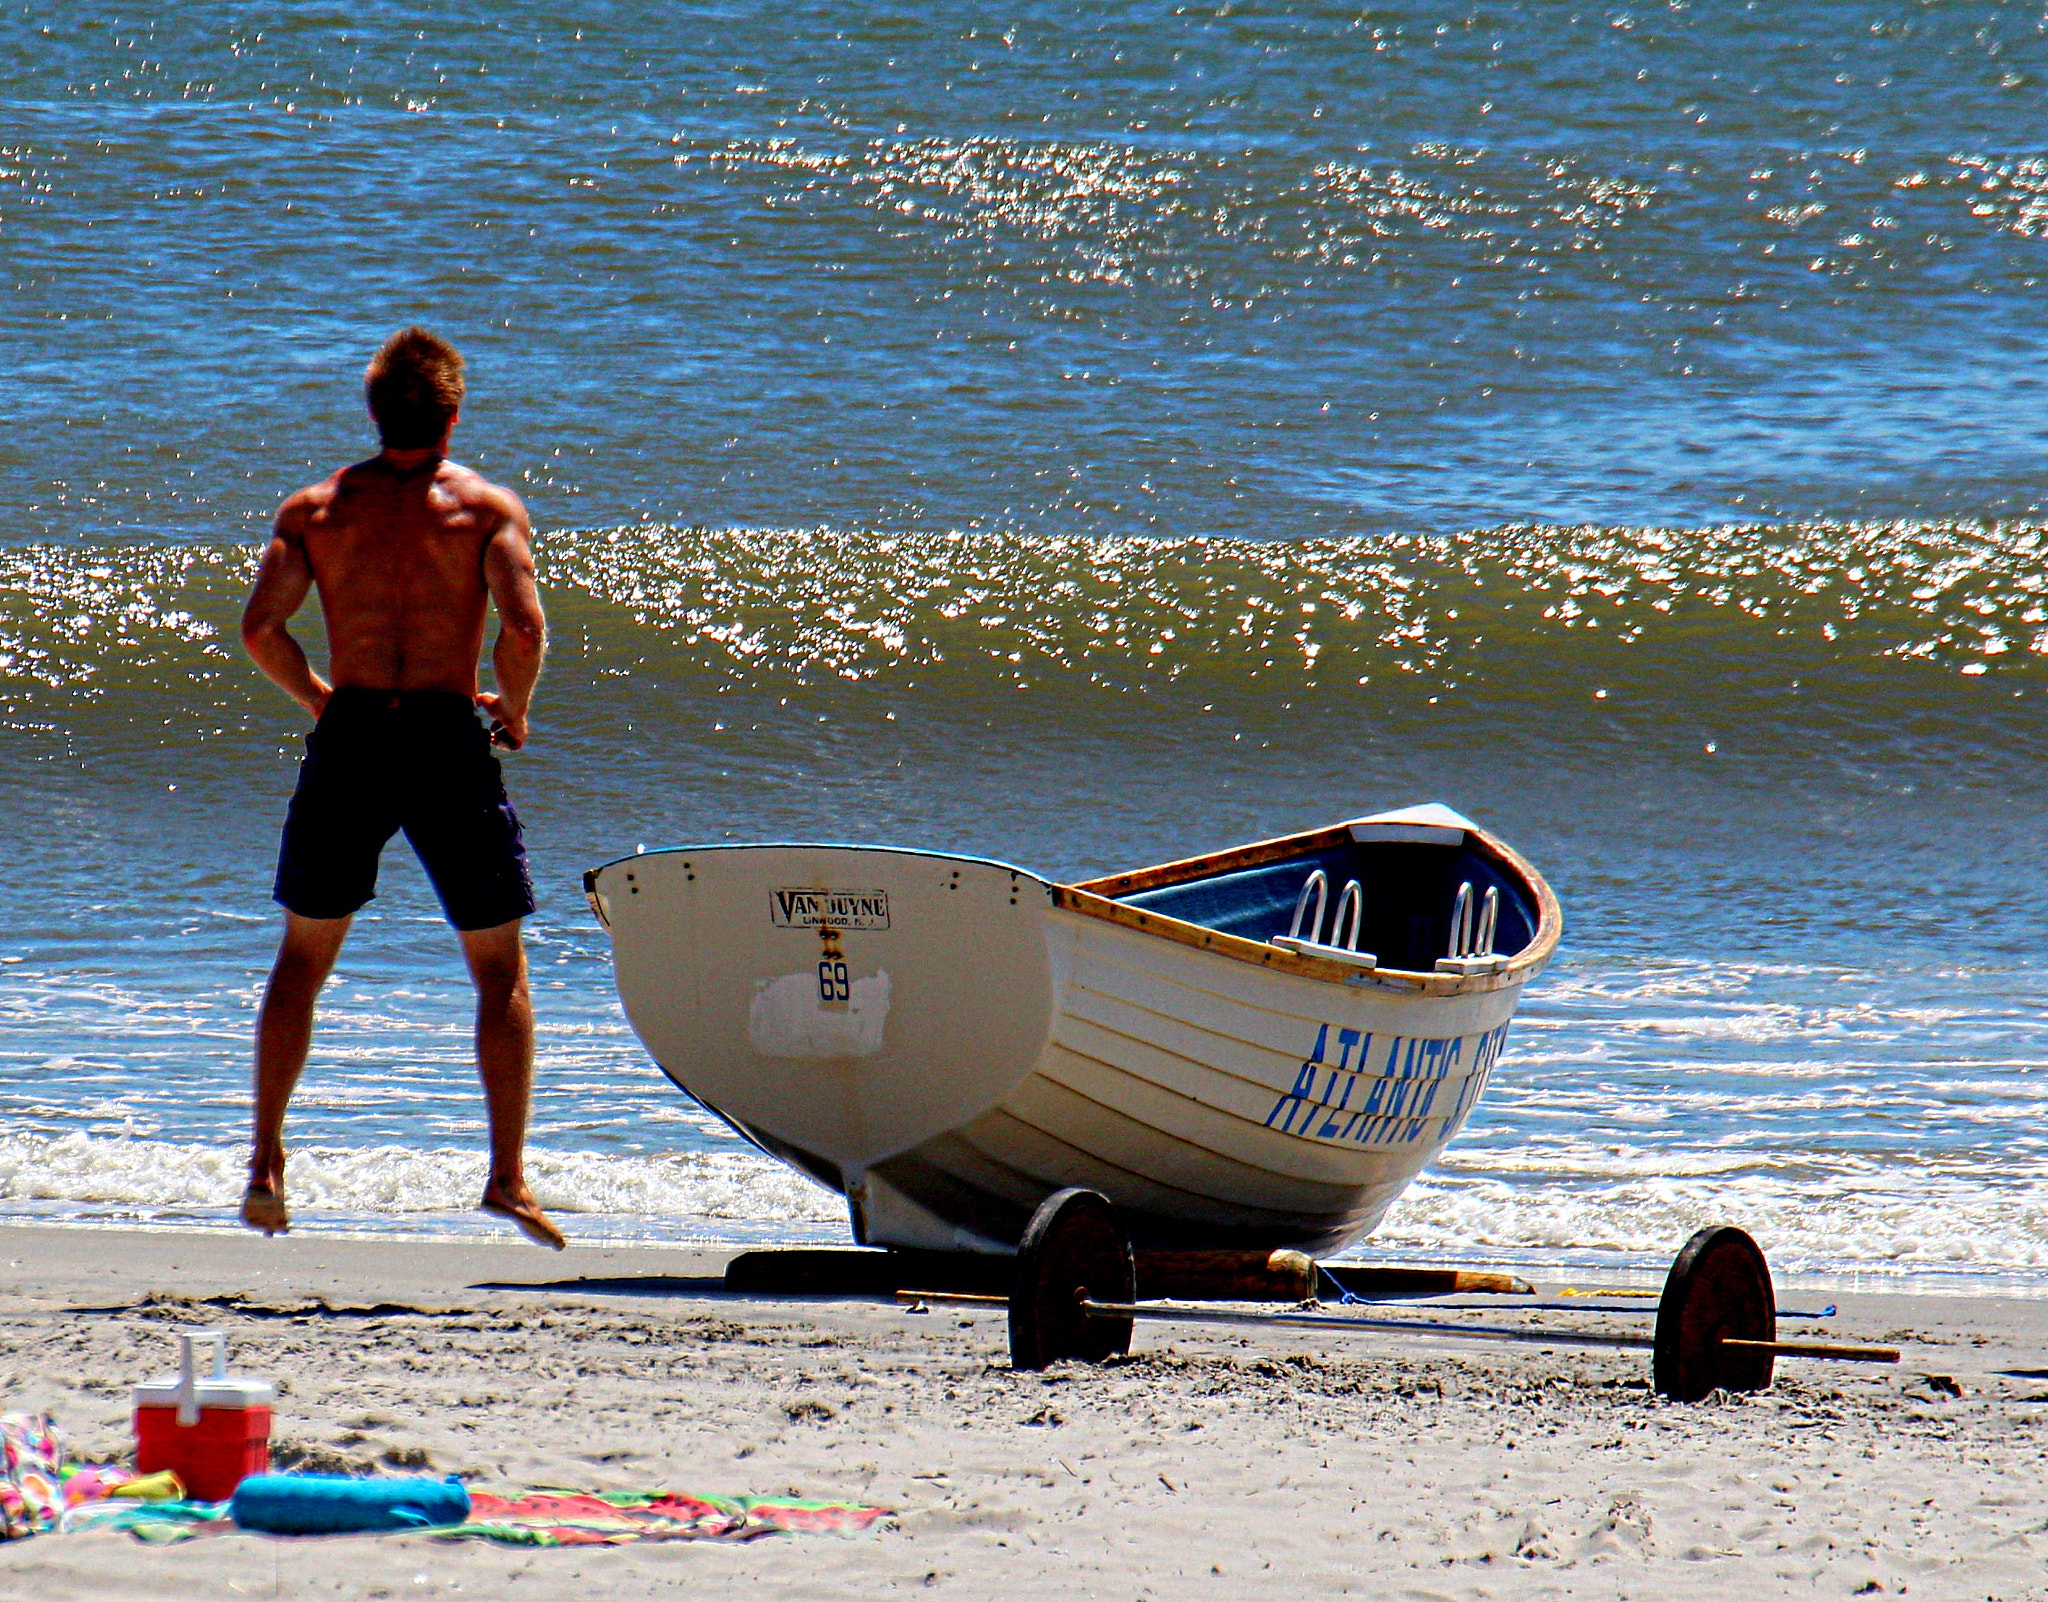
152	1176
1858	1217
1874	1223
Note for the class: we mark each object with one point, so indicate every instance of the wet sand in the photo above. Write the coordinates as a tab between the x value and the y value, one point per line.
1218	1463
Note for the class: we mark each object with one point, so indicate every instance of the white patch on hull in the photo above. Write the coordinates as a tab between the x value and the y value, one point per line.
786	1018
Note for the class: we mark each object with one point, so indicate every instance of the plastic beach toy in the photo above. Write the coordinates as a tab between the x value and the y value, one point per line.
331	1504
160	1487
211	1431
94	1482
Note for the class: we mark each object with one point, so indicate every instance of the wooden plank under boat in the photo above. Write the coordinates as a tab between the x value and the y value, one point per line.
947	1040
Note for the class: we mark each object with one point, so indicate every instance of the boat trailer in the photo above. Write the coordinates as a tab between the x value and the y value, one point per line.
1074	1296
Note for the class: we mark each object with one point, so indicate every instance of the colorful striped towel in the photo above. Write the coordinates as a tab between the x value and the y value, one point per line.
546	1517
611	1518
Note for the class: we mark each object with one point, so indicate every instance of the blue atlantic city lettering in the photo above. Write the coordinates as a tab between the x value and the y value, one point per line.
1383	1093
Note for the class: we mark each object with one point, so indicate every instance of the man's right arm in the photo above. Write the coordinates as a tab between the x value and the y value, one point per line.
282	583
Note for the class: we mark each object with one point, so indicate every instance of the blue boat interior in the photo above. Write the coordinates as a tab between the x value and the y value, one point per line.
1409	891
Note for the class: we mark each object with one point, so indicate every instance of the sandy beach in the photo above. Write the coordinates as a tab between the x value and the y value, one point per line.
1210	1463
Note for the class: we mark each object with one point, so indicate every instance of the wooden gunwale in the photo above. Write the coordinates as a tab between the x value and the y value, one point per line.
1094	898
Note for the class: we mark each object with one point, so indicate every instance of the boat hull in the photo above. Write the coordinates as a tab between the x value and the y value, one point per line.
1216	1105
947	1041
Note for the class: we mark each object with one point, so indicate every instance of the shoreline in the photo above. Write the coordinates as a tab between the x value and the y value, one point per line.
1632	1270
1218	1462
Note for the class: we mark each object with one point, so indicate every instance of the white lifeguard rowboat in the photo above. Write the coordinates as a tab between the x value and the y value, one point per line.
1258	1048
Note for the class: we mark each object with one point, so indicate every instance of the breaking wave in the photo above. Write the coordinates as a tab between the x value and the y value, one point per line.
1860	625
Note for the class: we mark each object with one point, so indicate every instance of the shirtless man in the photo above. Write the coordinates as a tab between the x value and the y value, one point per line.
407	550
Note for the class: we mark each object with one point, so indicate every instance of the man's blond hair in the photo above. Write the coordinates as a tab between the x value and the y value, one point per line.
414	387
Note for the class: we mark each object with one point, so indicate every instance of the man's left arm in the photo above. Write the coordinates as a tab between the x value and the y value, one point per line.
522	626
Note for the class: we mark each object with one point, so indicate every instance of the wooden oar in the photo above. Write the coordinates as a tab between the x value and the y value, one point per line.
1540	1337
1416	1326
1827	1349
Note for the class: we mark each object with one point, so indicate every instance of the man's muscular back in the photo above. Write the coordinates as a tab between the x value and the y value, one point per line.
407	549
399	560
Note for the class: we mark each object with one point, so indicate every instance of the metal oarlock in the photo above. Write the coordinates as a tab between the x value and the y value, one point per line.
1353	898
1471	949
1074	1298
1319	882
1312	944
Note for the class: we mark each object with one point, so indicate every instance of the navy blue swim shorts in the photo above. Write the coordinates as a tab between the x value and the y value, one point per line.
419	760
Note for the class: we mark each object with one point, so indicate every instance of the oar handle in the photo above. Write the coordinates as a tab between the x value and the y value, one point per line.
1841	1354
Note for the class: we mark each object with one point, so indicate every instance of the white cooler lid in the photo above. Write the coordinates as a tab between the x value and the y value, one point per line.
229	1392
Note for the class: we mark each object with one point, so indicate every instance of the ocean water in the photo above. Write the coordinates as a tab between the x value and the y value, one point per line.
1081	436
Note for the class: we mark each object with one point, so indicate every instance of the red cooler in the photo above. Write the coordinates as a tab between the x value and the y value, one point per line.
213	1432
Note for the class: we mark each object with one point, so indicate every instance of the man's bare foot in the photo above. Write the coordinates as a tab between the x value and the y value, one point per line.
518	1205
263	1208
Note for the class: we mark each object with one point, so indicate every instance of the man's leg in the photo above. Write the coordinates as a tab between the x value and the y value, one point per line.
284	1034
504	1057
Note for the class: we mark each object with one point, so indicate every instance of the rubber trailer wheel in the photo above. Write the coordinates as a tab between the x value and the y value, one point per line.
1074	1246
1719	1286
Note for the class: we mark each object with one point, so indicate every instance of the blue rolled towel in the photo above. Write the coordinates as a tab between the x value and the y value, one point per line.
330	1504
